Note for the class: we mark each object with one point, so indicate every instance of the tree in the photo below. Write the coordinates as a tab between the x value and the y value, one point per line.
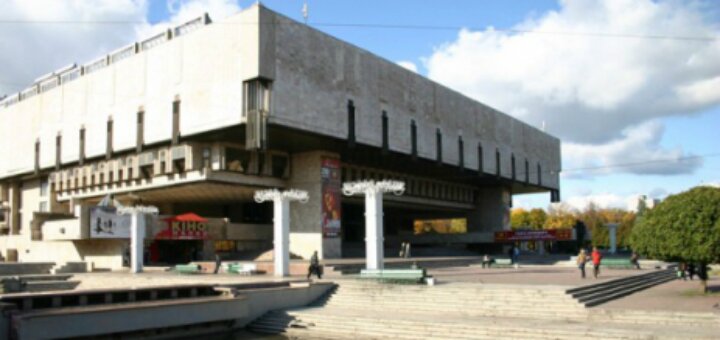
685	227
519	218
536	218
560	216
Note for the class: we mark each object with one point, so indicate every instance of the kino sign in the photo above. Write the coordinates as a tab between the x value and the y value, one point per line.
373	192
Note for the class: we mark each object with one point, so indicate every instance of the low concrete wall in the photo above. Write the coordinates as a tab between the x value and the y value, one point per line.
25	268
264	300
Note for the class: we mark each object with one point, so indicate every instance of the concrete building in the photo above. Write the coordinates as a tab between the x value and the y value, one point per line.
195	119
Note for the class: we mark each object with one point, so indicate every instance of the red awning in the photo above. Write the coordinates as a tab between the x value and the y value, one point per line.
187	217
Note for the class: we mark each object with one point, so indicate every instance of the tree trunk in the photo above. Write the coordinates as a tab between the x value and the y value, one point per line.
703	275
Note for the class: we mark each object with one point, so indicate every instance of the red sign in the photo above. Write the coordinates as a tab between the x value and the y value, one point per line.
184	227
533	235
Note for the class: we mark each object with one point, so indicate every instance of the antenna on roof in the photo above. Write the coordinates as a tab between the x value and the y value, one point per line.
305	11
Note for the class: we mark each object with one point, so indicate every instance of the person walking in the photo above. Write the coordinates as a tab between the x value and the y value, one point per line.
581	260
402	250
511	254
314	266
596	259
218	263
691	270
407	250
635	260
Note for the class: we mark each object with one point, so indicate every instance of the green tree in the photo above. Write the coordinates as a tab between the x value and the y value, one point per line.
519	218
560	216
684	227
536	218
593	219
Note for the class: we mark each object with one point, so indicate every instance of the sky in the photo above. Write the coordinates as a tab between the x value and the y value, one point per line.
630	87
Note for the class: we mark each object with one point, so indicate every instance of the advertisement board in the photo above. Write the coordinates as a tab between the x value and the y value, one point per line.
533	235
183	227
105	222
440	226
331	195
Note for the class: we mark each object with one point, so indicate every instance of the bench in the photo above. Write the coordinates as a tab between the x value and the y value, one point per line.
617	263
187	269
394	275
241	268
505	263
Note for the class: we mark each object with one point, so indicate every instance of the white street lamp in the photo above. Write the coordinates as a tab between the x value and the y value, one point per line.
373	192
281	223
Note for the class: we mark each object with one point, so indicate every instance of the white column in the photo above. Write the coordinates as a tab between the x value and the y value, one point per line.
137	241
374	229
612	232
281	229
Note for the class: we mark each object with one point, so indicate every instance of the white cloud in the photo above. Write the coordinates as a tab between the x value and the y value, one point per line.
637	150
37	46
182	11
408	65
594	92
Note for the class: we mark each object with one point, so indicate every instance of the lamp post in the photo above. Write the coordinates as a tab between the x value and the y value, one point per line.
281	224
373	192
612	233
137	233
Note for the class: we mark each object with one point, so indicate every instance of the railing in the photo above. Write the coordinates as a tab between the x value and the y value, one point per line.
66	76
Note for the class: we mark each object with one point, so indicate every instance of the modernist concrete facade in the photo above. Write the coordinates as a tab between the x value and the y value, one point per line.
197	118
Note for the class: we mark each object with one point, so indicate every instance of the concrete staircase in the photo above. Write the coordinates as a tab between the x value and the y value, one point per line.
593	295
473	311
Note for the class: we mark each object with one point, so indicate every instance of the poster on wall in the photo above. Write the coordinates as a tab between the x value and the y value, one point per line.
440	226
105	222
331	194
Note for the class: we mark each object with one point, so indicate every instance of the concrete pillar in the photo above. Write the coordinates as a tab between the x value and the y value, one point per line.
374	229
612	232
14	199
492	210
281	235
137	241
306	234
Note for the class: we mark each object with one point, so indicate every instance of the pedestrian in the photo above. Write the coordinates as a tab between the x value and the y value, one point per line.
596	259
402	249
635	260
487	261
218	263
581	260
681	271
314	267
691	270
407	250
511	254
516	252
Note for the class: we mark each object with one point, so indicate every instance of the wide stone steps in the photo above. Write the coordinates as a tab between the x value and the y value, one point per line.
308	323
597	294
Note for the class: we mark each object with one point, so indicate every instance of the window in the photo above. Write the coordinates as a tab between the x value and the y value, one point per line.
237	159
58	149
176	121
109	141
206	158
413	137
81	158
385	143
140	129
37	154
539	176
351	122
461	153
438	145
256	109
44	186
280	166
527	171
497	162
512	165
480	159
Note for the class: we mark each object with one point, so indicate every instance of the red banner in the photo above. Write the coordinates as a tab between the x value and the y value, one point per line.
330	174
533	235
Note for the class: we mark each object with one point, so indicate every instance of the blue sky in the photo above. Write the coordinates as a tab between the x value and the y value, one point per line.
610	99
